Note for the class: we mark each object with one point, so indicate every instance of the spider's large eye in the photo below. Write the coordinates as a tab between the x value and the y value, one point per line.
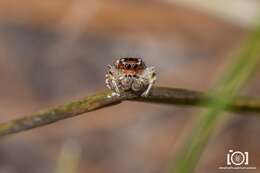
127	66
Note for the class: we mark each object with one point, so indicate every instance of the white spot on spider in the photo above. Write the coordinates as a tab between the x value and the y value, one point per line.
113	94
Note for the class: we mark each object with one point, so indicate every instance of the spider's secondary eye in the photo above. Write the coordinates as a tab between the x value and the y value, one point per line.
134	66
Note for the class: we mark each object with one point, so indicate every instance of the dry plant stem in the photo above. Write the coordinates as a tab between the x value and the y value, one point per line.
158	95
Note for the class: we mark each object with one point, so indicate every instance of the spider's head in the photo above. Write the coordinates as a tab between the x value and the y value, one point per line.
130	65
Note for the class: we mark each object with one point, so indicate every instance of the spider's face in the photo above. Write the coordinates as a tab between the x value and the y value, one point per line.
130	74
130	66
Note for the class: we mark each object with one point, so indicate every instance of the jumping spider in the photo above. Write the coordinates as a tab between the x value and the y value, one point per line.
130	74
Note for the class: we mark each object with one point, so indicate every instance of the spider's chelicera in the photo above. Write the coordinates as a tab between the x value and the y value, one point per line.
130	74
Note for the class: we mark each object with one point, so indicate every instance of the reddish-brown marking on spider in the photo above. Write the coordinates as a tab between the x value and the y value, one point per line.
130	66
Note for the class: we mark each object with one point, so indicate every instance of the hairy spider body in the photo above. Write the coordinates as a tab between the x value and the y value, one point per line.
130	74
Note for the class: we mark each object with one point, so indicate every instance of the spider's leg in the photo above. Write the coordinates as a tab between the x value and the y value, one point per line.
151	79
107	82
146	92
116	88
109	66
111	80
112	85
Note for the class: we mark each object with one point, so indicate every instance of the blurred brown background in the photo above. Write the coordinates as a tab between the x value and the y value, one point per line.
54	51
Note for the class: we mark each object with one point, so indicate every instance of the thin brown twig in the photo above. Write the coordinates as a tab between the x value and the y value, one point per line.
161	95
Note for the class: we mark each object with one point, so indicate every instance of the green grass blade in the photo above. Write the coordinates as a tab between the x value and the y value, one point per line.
226	89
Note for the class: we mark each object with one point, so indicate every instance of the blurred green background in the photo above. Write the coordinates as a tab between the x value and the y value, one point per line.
53	51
